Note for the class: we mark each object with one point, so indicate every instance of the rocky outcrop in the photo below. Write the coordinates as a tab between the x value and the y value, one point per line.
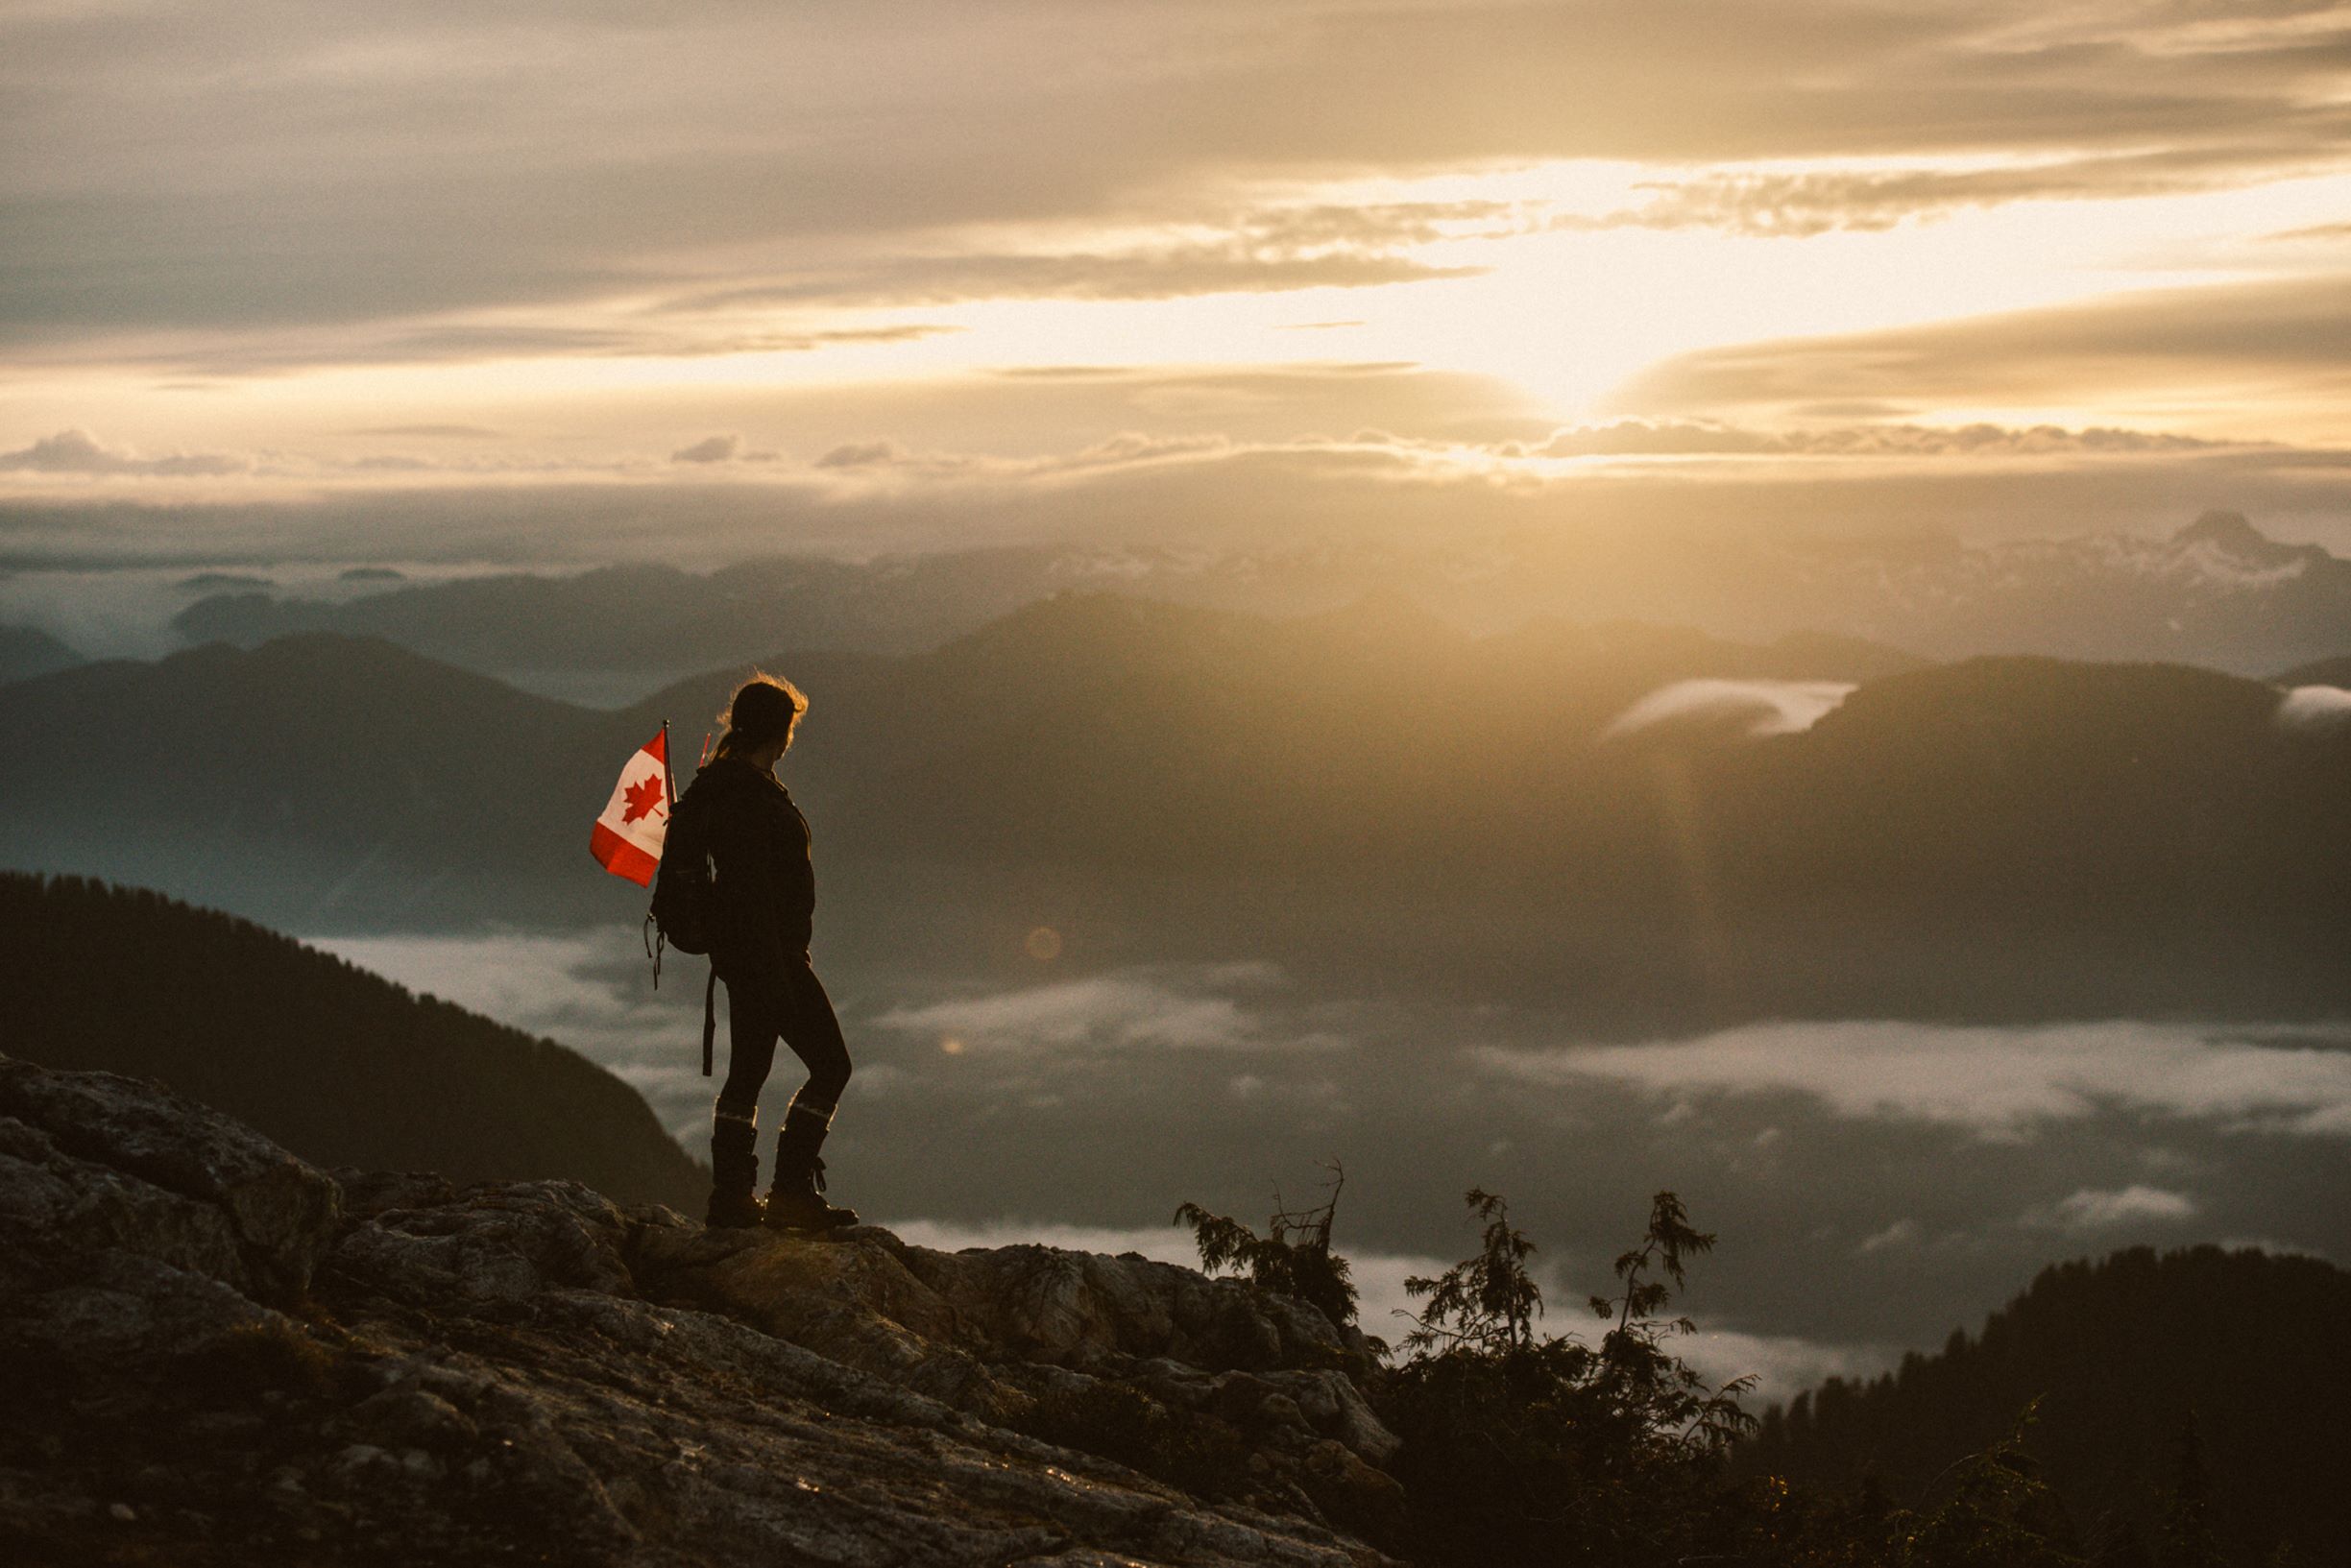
218	1354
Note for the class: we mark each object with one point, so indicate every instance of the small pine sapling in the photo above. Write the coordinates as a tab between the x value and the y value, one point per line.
1489	1302
1650	1384
1522	1446
1295	1256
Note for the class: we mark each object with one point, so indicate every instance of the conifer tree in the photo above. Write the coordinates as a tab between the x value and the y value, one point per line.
2184	1537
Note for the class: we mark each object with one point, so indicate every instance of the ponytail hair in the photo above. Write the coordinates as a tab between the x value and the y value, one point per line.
764	711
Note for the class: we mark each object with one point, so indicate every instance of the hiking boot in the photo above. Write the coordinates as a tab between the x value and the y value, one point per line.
793	1202
799	1206
734	1210
733	1200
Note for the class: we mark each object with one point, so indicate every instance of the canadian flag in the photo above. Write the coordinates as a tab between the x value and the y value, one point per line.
627	839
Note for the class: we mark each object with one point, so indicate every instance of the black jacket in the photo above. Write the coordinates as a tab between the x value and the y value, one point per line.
765	881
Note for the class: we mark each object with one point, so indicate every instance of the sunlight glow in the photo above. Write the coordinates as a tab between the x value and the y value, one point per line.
1568	282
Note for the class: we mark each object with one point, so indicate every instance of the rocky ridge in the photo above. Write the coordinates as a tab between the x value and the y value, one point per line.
221	1353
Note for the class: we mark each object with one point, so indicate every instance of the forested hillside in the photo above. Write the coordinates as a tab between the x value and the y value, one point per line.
342	1066
2125	1355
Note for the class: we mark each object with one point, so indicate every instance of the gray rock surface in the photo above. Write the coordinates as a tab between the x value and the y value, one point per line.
217	1354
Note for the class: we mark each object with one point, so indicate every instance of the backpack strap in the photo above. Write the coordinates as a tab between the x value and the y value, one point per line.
710	1017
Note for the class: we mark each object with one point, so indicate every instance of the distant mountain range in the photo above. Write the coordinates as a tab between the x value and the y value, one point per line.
1366	787
656	618
2122	1355
2217	593
313	768
342	1066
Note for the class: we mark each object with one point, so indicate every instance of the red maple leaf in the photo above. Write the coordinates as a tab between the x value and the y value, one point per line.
644	797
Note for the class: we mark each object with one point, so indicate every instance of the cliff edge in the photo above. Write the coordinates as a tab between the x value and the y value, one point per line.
218	1353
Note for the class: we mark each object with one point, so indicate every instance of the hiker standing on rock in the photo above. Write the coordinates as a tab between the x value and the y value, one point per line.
766	890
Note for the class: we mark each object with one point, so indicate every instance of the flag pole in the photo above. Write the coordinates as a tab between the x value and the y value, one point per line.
668	778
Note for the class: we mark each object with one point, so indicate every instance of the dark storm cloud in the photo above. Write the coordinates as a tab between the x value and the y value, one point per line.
174	170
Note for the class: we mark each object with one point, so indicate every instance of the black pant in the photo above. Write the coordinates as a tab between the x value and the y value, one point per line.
788	1002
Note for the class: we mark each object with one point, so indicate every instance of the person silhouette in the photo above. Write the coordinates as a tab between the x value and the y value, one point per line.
764	882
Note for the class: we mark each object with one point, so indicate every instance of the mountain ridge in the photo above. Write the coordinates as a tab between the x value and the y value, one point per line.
1315	775
219	1354
2216	592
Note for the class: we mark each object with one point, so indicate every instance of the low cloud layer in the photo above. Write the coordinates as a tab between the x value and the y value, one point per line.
1158	1007
1757	708
1874	1185
2091	1209
1782	1366
2004	1084
2319	710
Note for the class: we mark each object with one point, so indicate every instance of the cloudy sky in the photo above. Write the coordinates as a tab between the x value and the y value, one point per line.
1989	263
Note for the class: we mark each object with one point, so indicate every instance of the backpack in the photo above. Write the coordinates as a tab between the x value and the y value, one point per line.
684	913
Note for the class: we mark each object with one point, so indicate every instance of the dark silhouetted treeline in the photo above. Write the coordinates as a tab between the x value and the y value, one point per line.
340	1066
2241	1357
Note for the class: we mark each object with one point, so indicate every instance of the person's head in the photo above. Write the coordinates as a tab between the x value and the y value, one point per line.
764	710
